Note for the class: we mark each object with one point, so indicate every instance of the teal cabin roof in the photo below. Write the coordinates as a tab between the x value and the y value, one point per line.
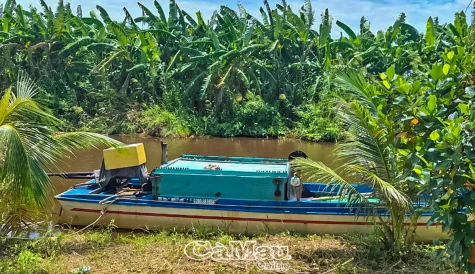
228	164
223	177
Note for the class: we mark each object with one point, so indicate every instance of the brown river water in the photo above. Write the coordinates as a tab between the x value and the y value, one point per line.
251	147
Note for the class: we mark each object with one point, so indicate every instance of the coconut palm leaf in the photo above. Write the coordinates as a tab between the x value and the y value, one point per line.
29	145
366	144
317	171
354	85
389	193
366	157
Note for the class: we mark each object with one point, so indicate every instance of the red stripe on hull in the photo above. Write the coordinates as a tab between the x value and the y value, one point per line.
229	218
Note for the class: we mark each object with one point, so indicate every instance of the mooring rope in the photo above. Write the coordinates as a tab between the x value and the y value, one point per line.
104	210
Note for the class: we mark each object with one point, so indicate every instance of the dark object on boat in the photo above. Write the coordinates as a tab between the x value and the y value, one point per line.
164	152
73	175
306	193
147	187
297	154
114	179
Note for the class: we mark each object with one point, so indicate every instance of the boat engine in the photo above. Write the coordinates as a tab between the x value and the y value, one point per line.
120	165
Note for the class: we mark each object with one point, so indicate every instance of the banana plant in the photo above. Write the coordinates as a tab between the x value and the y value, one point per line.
229	61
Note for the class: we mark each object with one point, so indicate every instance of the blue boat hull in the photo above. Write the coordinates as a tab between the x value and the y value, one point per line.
307	216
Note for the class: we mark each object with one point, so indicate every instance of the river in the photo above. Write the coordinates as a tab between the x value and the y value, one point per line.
253	147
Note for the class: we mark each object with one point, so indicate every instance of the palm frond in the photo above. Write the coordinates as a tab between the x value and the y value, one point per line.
317	171
387	191
15	177
355	86
26	88
28	146
367	157
365	145
4	104
71	141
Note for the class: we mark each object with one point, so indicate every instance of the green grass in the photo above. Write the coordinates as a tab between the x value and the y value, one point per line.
109	251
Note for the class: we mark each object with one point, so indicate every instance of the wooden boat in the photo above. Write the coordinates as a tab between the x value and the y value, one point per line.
233	194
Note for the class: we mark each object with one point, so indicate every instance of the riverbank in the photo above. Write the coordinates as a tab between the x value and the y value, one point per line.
315	123
106	251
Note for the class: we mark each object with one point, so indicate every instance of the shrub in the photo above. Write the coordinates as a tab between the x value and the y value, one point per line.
27	262
318	123
159	122
255	118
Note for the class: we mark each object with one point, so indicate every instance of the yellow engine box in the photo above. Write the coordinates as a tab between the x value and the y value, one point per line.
125	156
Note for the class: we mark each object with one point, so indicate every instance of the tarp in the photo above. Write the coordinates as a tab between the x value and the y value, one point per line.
114	178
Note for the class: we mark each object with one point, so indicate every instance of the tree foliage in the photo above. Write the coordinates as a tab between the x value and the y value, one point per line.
95	69
235	74
29	144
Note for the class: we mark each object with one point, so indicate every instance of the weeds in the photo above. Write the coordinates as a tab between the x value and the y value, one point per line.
109	251
160	122
27	262
318	122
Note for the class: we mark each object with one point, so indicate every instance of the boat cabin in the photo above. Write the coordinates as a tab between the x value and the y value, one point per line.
222	177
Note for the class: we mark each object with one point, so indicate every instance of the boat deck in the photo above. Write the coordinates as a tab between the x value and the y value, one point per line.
305	206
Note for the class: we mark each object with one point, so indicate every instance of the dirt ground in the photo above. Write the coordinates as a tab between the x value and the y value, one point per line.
163	252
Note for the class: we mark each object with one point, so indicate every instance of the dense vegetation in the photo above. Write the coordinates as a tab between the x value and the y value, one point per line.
412	138
407	97
177	74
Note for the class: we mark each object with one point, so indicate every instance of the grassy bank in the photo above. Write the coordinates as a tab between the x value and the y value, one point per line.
105	251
